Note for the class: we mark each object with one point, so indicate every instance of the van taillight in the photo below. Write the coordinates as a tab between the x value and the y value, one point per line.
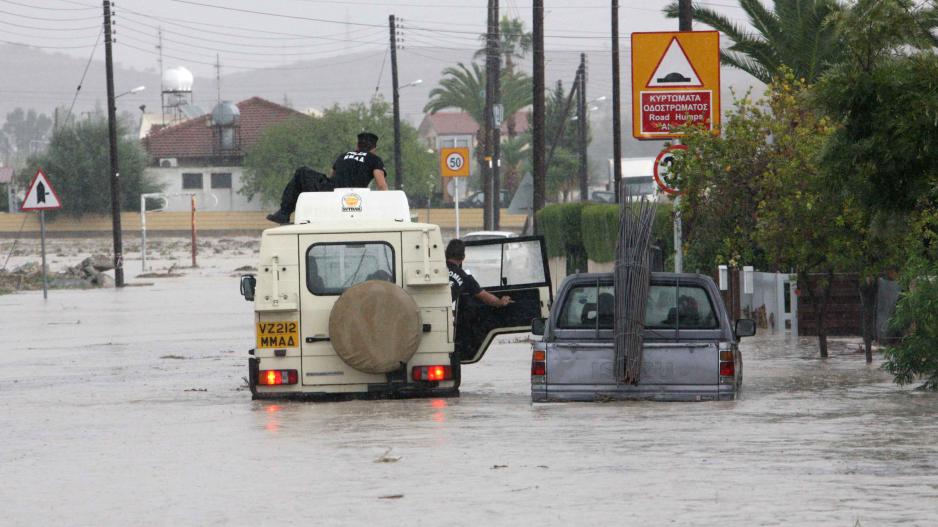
539	363
277	377
431	373
727	366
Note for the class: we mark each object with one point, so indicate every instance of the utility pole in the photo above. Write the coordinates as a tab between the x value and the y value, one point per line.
112	136
616	105
488	121
685	23
537	27
218	77
396	103
582	123
685	15
497	118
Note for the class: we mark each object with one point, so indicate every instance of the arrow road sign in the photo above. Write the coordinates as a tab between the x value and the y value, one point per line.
41	195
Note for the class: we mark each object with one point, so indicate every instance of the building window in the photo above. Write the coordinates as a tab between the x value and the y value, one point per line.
222	180
192	181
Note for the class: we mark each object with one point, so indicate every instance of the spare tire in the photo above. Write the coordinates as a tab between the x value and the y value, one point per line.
375	326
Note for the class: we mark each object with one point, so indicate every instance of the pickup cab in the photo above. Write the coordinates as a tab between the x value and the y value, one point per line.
690	347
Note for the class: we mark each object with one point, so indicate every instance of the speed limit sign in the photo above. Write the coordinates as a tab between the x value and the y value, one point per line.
454	162
662	171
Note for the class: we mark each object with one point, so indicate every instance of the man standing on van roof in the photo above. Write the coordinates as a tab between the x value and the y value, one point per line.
353	169
460	282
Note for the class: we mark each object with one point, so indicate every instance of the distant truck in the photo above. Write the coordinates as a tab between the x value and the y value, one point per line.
353	300
690	350
637	175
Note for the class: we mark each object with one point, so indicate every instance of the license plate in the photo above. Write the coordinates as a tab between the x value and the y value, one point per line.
278	334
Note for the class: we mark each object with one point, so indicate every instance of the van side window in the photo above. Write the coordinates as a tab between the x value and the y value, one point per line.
331	268
667	307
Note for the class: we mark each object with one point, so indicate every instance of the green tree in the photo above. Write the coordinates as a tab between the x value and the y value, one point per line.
317	141
757	194
21	131
78	164
882	94
794	34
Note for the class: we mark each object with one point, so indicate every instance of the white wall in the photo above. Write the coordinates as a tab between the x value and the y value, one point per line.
227	199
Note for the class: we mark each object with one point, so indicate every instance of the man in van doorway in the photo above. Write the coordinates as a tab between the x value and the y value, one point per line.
353	169
461	282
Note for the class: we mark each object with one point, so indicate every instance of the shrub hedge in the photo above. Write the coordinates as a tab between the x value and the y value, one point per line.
589	230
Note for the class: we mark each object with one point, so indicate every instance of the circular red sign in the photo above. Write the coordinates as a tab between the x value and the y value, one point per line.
662	166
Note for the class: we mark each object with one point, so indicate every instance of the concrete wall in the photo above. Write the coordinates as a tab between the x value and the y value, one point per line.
207	198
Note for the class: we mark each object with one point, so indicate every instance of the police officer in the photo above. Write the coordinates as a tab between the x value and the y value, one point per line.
353	169
461	282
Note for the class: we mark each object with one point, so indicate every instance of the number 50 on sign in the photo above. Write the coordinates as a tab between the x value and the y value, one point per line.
454	162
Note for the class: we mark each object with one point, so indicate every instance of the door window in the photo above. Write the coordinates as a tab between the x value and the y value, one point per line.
667	307
331	268
506	263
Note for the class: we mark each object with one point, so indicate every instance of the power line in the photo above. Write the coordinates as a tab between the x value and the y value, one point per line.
47	19
82	81
89	8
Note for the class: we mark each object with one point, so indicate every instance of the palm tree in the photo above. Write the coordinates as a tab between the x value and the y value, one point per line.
794	34
514	42
464	88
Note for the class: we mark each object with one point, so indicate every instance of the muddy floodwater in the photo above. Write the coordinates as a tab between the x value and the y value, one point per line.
128	408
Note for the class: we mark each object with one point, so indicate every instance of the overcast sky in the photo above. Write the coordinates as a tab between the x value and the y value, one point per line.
279	32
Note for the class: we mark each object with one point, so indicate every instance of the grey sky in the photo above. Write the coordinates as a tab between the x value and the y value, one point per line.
193	34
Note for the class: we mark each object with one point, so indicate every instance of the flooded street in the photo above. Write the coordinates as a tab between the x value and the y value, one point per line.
128	407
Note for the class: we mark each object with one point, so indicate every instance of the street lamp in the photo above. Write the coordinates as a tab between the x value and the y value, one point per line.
138	89
115	175
412	83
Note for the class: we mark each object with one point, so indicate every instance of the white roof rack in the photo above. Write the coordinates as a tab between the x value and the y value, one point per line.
345	204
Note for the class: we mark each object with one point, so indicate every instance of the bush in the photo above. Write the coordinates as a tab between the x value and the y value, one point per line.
560	225
600	229
916	354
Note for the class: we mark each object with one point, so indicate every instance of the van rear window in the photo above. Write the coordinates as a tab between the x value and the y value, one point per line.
667	307
331	268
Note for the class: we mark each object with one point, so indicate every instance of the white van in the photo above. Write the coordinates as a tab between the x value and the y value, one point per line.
353	300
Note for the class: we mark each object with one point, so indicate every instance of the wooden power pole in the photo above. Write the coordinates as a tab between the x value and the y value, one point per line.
582	128
537	129
112	138
616	105
396	103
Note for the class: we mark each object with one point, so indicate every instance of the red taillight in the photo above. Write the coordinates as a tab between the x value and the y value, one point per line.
277	377
539	363
431	373
727	369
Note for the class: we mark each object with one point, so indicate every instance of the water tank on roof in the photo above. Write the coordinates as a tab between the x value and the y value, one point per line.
226	113
177	79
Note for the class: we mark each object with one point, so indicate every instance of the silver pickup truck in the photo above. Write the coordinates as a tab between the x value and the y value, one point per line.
690	350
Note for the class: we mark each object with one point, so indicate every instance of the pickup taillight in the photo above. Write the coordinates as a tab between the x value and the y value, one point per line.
538	365
727	366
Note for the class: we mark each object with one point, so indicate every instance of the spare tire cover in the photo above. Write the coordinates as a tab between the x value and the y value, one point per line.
375	326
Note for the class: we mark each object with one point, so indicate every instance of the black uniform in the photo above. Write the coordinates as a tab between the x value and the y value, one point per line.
352	170
355	169
461	282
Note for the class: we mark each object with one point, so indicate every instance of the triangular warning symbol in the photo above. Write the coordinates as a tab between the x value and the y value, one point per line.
674	69
41	195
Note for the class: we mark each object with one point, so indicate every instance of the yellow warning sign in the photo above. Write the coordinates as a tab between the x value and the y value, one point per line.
454	162
675	81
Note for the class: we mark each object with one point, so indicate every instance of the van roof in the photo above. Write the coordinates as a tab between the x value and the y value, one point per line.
354	226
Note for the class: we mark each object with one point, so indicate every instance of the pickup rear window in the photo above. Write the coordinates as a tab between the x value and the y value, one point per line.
667	307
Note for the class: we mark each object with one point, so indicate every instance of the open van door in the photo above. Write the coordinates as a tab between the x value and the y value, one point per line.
516	267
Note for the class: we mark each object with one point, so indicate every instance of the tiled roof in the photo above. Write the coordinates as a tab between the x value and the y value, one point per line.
461	123
194	138
6	174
